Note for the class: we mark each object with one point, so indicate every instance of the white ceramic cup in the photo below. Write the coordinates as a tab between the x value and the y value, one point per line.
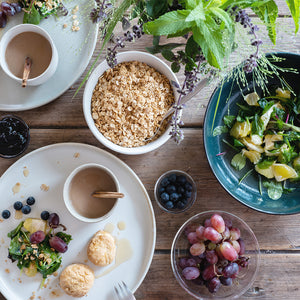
16	30
68	200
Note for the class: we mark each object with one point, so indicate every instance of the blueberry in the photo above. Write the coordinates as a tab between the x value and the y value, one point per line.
180	205
45	215
180	189
170	189
26	209
30	201
18	205
181	179
6	214
164	197
172	178
188	194
174	197
188	186
164	182
161	190
169	205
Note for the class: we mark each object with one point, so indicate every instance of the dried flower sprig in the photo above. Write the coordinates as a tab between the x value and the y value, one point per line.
129	36
243	18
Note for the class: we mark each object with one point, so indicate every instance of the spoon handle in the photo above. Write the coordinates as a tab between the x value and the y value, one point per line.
26	72
99	194
190	95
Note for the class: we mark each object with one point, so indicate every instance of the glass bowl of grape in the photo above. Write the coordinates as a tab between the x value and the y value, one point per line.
175	191
215	255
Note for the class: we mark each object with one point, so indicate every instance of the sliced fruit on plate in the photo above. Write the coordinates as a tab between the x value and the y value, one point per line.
252	99
252	155
283	172
268	172
32	225
283	93
240	129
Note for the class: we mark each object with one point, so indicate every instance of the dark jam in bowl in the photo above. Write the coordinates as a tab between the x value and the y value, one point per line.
14	136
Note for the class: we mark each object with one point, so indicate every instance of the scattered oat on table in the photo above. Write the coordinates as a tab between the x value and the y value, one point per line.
16	188
129	101
44	187
76	155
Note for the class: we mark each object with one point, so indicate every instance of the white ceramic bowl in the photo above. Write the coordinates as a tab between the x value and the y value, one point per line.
150	60
14	31
68	200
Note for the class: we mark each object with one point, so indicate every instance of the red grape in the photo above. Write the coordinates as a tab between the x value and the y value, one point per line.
190	273
53	220
228	251
193	237
200	232
37	237
214	285
8	9
197	249
236	246
209	272
226	280
228	223
207	223
16	6
58	244
211	256
226	233
217	223
235	234
230	270
242	246
3	19
212	234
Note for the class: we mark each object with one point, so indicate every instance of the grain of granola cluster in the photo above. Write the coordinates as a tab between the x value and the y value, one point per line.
129	101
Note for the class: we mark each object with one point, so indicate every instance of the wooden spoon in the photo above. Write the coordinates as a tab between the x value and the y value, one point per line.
100	194
26	72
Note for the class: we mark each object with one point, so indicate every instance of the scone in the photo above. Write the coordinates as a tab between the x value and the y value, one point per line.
101	249
76	280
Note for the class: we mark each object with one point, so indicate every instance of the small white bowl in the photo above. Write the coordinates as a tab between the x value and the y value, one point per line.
144	57
16	30
68	198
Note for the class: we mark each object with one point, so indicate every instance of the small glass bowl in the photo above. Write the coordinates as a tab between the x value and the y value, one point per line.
14	136
189	201
246	276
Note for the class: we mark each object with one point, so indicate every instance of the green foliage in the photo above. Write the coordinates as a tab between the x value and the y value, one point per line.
274	189
229	120
219	130
257	126
32	17
294	6
238	161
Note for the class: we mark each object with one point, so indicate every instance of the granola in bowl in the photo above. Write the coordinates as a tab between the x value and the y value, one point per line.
129	102
125	105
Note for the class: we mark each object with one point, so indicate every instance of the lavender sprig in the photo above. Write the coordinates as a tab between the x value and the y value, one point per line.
243	18
129	36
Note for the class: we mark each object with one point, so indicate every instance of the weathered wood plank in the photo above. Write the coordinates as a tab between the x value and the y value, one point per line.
273	232
278	276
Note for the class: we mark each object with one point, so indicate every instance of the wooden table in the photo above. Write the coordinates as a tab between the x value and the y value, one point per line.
278	236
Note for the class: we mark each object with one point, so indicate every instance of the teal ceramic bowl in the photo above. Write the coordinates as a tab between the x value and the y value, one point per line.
247	192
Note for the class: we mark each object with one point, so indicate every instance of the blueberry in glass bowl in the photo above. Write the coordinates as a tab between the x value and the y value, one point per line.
14	136
175	191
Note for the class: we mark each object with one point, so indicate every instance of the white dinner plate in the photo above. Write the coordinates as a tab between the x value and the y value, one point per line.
75	50
50	166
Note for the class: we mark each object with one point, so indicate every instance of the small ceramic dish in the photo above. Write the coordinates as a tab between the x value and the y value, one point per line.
79	187
144	57
175	191
14	136
28	28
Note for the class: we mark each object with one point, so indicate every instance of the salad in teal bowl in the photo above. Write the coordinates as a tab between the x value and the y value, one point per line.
252	138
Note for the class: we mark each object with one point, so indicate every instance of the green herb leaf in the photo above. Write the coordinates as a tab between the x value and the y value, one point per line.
229	120
294	6
223	16
237	143
266	163
209	37
268	14
219	130
169	23
274	189
257	126
64	236
14	232
156	8
159	48
196	13
238	161
33	17
175	67
168	54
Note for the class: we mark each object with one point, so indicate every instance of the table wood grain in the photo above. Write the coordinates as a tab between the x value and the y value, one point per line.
278	236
